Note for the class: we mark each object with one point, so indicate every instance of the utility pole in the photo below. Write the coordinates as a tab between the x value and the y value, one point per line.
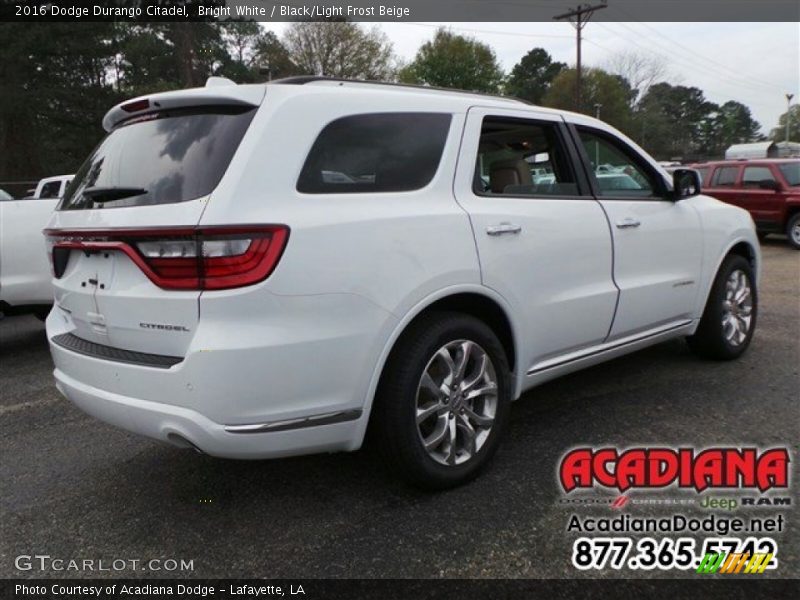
788	117
579	16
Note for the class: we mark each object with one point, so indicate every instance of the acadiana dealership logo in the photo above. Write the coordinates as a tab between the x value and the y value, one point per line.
649	468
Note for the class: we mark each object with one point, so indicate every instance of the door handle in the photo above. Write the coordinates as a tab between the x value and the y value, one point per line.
503	228
628	223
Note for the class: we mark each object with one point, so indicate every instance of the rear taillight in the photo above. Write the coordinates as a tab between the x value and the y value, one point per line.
202	258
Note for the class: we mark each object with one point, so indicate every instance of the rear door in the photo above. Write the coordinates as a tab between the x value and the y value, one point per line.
155	173
657	242
543	241
724	185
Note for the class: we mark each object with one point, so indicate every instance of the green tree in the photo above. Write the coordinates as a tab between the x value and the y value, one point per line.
454	61
731	123
339	49
531	77
672	120
611	92
779	133
55	91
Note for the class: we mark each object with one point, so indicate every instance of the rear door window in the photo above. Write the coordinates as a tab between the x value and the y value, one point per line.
725	177
163	158
370	153
520	157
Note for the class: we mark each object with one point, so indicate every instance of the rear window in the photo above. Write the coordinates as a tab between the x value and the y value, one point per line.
791	172
725	176
382	152
168	157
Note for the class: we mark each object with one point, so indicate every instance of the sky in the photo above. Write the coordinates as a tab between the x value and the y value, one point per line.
753	63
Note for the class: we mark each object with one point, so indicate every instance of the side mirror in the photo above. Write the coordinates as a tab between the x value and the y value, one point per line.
685	183
769	184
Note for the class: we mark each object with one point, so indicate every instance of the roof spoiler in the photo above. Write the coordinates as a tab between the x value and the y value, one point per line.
219	91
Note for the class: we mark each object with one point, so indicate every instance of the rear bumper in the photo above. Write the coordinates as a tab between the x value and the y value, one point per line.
185	428
263	384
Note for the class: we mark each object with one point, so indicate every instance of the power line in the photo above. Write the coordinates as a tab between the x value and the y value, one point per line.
705	87
680	61
579	17
694	54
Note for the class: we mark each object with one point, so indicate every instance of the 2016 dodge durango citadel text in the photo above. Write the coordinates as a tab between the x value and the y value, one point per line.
269	270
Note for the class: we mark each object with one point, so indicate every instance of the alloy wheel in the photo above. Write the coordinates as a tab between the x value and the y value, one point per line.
456	402
737	308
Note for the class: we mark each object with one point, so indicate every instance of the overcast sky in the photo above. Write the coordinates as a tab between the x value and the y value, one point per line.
753	63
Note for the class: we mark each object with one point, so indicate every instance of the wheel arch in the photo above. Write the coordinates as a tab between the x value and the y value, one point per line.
479	301
740	247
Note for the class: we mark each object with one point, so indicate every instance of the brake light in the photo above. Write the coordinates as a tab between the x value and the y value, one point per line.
202	258
136	106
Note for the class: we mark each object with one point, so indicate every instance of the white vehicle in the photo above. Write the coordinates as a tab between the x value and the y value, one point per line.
51	187
217	288
25	274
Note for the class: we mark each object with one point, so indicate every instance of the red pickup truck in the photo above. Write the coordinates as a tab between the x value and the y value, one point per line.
768	188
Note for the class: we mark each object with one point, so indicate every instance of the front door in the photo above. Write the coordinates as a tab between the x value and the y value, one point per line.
657	241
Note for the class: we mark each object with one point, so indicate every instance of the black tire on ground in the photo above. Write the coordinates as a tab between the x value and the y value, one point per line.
710	341
793	231
393	426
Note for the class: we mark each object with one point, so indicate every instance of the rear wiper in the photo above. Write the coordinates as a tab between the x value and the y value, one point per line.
106	194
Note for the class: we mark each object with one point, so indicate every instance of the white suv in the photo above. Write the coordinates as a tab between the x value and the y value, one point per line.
270	270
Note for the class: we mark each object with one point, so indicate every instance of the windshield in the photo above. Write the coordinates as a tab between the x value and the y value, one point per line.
791	172
160	159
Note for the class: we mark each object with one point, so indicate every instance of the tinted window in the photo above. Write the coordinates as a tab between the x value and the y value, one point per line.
725	176
753	176
703	174
522	158
791	172
50	189
170	157
616	169
382	152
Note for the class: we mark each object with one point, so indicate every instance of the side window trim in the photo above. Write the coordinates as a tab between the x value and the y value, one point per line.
661	187
564	137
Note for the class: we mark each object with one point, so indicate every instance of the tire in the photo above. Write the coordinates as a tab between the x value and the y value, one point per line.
402	395
725	332
793	231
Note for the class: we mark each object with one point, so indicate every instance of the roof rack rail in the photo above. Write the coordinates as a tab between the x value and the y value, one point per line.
304	79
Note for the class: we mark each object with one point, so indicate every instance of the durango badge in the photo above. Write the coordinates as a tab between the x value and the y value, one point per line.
661	467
